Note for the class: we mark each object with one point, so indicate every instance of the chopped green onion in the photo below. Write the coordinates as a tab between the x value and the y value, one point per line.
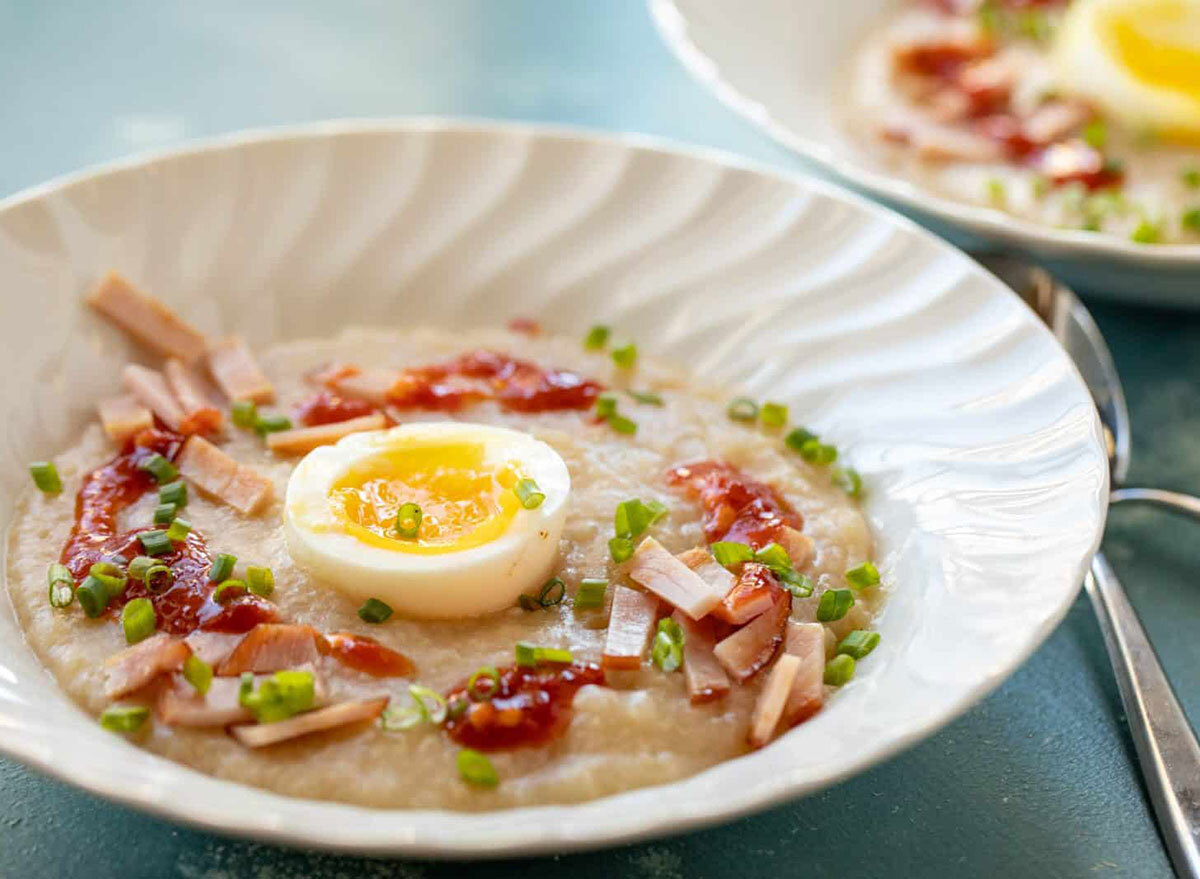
621	424
408	521
864	576
160	468
858	643
1039	186
124	719
260	581
625	356
1190	177
179	530
667	652
154	542
475	768
773	415
457	707
634	516
794	582
1095	134
228	590
597	337
138	620
551	594
742	409
264	424
45	477
139	566
62	585
245	413
646	398
529	494
839	670
401	719
620	548
773	556
111	576
93	596
164	514
606	405
1191	219
283	695
590	594
997	192
848	480
552	654
526	654
158	578
729	553
174	493
1146	232
374	611
834	604
817	452
486	673
1034	24
222	567
798	437
198	673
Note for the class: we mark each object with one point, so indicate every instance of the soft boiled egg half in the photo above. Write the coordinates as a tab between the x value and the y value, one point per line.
477	545
1139	60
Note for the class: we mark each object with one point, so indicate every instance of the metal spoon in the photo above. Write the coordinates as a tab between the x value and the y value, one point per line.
1167	749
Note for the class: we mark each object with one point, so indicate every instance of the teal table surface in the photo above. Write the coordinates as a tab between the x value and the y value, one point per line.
1037	780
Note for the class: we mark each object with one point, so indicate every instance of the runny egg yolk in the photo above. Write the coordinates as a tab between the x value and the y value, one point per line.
465	501
1158	42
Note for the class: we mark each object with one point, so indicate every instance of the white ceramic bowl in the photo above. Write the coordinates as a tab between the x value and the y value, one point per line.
779	62
981	450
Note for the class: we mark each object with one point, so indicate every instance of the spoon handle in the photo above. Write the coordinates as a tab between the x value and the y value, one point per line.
1173	501
1166	746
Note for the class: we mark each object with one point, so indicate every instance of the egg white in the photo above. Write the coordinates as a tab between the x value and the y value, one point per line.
462	583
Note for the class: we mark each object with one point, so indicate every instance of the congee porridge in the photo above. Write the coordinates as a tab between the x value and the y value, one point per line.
433	568
1080	114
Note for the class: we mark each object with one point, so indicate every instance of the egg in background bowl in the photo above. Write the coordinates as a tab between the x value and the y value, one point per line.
1138	60
476	545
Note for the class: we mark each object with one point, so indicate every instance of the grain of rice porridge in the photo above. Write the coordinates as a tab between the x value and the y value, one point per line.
682	698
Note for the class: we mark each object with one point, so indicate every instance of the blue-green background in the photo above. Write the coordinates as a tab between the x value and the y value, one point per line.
1038	780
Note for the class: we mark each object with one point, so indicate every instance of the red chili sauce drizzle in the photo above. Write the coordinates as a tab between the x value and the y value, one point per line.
186	605
515	384
326	407
365	654
736	507
530	706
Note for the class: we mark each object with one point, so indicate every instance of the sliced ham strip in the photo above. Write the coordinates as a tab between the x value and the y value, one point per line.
712	572
259	735
706	680
755	593
151	390
771	701
752	646
147	320
123	416
629	627
372	384
272	647
304	439
805	641
200	415
249	491
798	546
672	580
237	372
181	705
136	666
212	647
217	474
